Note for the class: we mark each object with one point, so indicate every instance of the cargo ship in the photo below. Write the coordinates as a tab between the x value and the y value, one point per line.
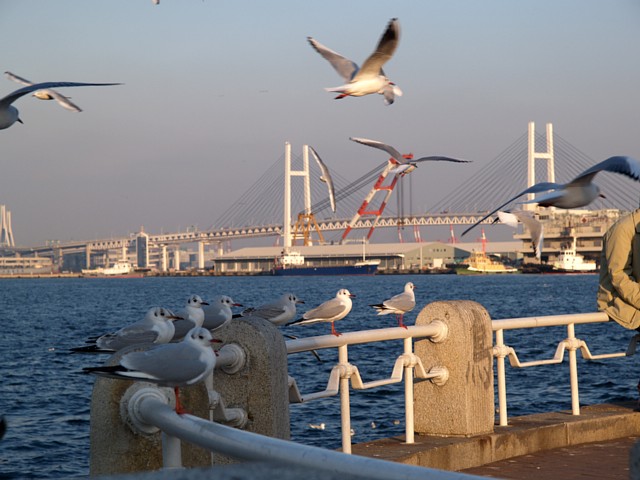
293	263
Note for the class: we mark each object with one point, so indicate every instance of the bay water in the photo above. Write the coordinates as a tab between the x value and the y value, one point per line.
46	400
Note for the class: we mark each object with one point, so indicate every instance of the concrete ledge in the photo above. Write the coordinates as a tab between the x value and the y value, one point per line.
525	435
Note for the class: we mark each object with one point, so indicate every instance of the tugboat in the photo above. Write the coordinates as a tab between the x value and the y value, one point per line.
570	261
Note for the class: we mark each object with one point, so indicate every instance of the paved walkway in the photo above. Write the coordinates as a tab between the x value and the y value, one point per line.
600	460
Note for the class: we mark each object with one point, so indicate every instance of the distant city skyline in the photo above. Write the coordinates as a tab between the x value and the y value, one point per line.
212	91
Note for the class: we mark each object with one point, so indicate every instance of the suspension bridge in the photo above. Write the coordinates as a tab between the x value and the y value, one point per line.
259	212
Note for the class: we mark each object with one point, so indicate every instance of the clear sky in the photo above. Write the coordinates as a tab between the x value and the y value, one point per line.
213	89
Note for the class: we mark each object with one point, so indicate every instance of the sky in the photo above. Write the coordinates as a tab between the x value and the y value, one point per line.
213	89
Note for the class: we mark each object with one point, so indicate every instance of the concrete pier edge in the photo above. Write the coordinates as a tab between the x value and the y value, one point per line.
524	435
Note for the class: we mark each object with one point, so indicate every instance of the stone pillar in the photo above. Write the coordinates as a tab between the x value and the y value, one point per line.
463	406
260	387
163	258
176	258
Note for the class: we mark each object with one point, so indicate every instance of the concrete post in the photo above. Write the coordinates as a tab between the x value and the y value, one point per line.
465	404
259	387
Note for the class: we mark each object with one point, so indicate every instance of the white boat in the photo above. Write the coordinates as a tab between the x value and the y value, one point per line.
119	268
570	260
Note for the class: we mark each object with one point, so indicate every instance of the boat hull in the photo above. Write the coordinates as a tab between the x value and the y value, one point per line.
330	270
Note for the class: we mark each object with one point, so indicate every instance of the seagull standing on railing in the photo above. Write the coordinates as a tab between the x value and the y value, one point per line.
10	115
579	192
172	365
330	311
279	312
398	304
218	313
156	327
190	317
370	78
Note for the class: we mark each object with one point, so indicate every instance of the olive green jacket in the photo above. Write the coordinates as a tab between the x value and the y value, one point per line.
619	290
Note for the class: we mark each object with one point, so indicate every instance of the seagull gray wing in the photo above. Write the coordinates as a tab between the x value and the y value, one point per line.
13	96
537	188
328	309
17	79
619	164
440	158
125	338
63	101
345	67
169	364
383	52
326	177
403	302
382	146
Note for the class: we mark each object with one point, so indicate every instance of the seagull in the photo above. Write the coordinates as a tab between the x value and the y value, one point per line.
170	365
370	78
10	115
330	311
326	178
156	327
579	192
190	317
529	221
399	304
48	94
278	312
218	313
401	167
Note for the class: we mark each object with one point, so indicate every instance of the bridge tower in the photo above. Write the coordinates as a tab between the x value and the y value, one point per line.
533	156
306	221
6	234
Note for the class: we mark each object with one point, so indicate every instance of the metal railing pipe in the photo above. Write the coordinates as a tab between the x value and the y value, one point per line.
345	408
548	321
249	446
409	436
352	338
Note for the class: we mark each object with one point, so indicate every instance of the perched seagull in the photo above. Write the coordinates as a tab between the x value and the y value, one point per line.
578	192
399	304
330	311
370	78
218	313
190	317
46	94
529	221
171	365
156	327
10	115
401	167
278	312
326	178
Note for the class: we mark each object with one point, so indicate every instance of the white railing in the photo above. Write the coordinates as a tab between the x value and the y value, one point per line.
343	372
407	365
570	344
153	410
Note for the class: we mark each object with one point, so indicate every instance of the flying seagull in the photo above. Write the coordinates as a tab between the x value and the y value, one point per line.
10	115
402	167
326	178
533	225
48	94
579	192
370	78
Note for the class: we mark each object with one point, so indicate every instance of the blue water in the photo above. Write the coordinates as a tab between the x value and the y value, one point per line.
46	401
